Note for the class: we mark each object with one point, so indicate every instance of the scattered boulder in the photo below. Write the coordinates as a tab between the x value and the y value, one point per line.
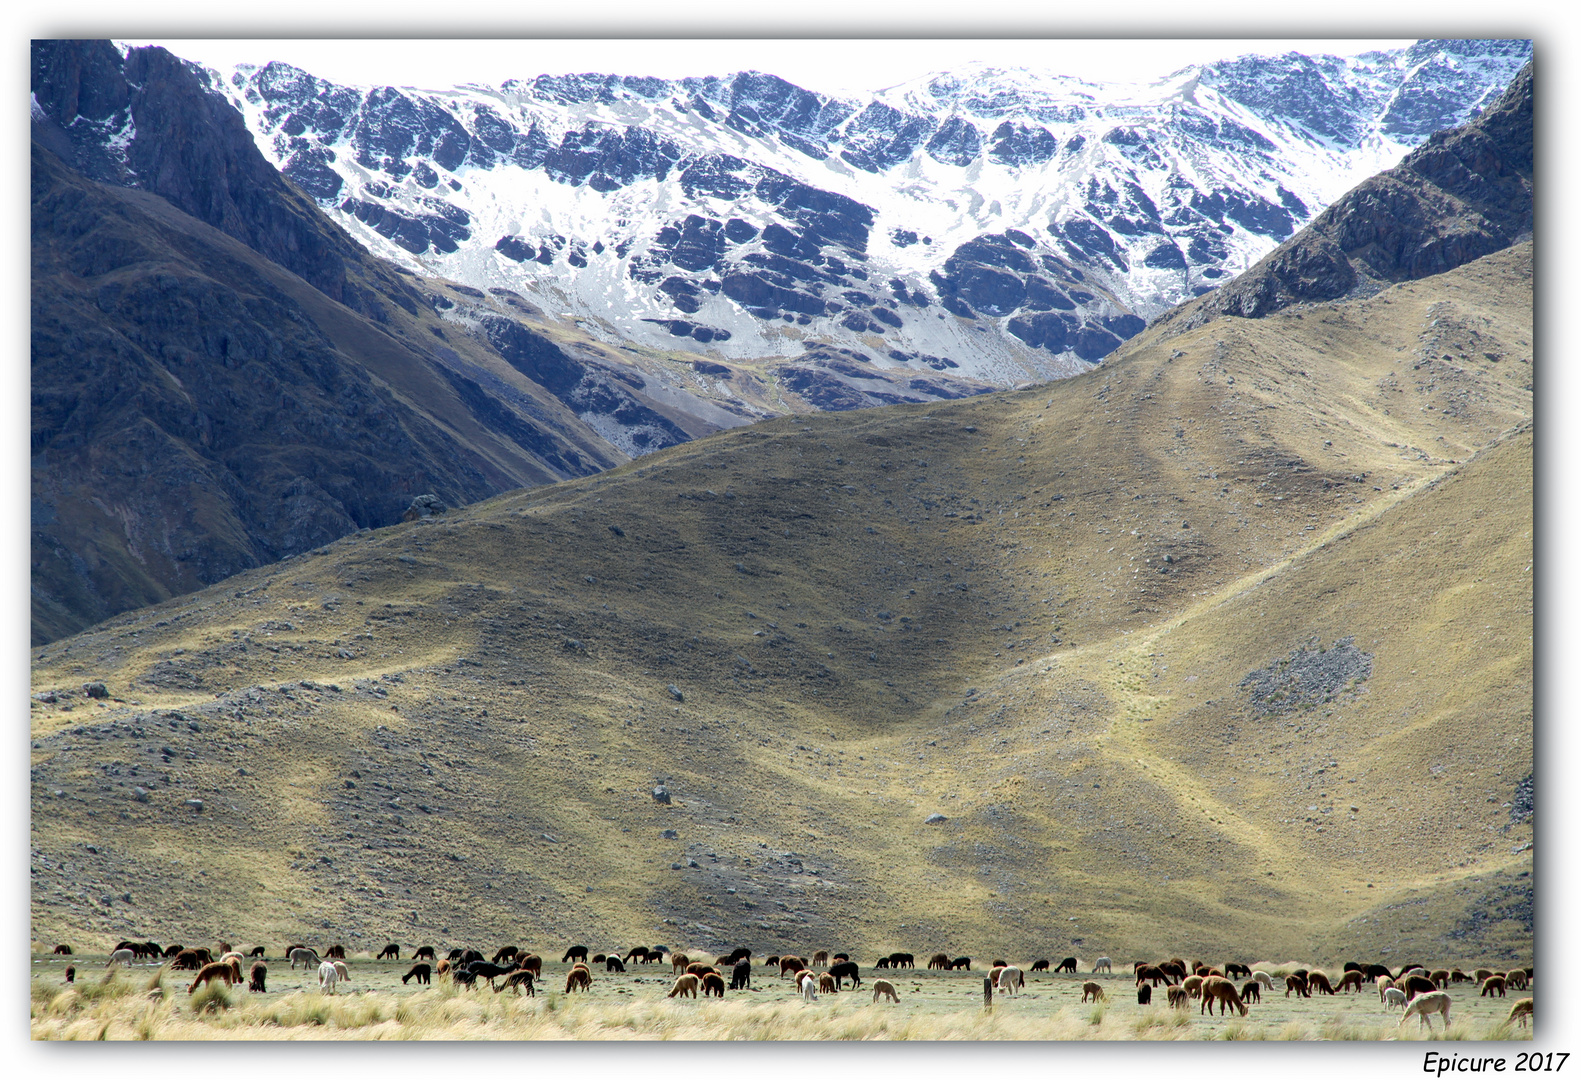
675	692
935	819
669	834
196	805
95	690
661	794
140	793
424	506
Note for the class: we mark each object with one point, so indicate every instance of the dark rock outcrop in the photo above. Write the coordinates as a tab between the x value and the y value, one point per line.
1462	194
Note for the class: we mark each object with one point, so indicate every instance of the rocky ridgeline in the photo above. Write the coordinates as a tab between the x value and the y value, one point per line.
862	223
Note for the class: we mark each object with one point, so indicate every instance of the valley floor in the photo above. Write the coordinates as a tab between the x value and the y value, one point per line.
933	1006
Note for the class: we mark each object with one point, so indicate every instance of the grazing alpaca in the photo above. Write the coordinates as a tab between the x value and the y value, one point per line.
1417	984
640	953
335	952
444	968
807	984
699	969
679	961
1458	976
1192	985
1102	964
1144	995
885	988
515	981
1440	978
257	975
306	956
1427	1004
421	972
1393	996
741	975
939	961
714	983
575	952
121	956
256	952
1351	980
612	964
530	962
1318	981
71	973
1266	979
62	950
826	983
961	962
1298	984
1252	991
327	977
1094	991
1068	965
791	964
1009	979
844	970
739	955
1493	984
820	958
1040	965
391	951
424	953
579	978
1522	1011
1516	979
1218	989
1178	998
341	973
1480	974
1233	970
1148	973
685	986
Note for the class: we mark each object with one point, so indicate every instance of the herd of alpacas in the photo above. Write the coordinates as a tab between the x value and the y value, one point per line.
1414	989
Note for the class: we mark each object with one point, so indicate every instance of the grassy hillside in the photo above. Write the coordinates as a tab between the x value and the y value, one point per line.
1224	647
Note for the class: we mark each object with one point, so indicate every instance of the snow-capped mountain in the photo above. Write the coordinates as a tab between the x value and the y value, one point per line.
996	223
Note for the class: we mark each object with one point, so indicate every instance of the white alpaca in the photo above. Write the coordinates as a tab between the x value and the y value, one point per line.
307	957
121	956
809	986
1266	979
1008	978
1101	964
327	977
1393	996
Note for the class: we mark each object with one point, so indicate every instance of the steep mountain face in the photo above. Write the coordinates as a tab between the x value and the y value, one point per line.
1462	194
1003	224
1224	647
222	377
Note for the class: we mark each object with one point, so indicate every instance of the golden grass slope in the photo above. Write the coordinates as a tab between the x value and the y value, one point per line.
1031	613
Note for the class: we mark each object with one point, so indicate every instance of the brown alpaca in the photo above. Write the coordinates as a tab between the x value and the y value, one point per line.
530	962
443	969
62	950
335	952
210	972
578	978
1252	991
1481	974
1093	991
421	972
1351	980
1522	1011
1516	979
714	983
515	981
71	973
1318	981
826	983
939	961
1440	978
187	960
678	961
258	975
1178	998
884	988
1150	973
1416	984
791	964
820	958
1459	976
1298	984
1192	985
1493	984
699	969
685	986
1221	990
